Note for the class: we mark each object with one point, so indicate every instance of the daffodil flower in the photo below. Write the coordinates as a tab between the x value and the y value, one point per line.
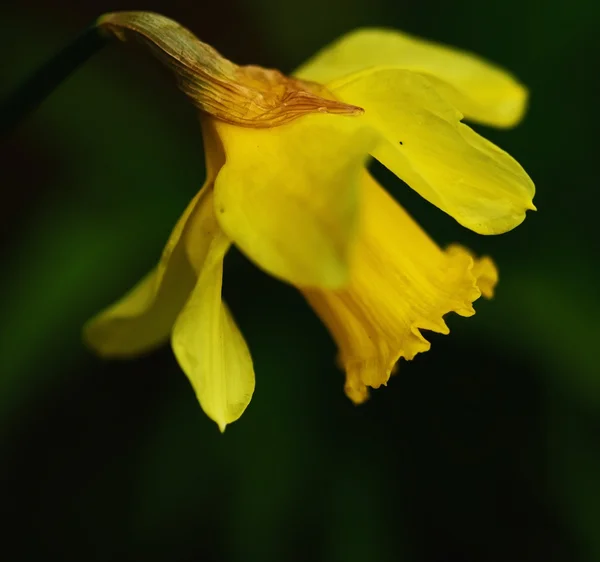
287	183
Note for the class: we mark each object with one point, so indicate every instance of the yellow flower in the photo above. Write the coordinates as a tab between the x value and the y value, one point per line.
287	183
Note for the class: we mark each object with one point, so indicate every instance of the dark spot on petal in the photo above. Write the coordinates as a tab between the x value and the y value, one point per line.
401	143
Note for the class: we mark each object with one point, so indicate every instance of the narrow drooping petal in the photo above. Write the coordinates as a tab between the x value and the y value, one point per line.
401	282
143	318
288	196
481	90
448	163
206	341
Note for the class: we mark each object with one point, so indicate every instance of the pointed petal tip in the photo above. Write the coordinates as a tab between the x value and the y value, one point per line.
97	337
115	338
511	111
93	346
499	225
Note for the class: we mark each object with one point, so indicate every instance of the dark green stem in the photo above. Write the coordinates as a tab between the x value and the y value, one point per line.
25	98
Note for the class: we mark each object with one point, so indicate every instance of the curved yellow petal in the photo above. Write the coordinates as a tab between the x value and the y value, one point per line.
481	90
143	318
401	283
445	161
287	196
206	341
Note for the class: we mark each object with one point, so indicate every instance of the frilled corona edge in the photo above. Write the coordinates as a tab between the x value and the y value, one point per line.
401	283
250	96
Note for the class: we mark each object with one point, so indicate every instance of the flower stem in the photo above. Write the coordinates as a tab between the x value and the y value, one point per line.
28	95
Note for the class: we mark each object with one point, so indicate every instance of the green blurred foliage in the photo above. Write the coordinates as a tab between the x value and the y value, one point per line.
486	448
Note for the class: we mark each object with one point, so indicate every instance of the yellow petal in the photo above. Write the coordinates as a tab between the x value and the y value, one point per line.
143	318
287	196
481	90
445	161
207	343
401	283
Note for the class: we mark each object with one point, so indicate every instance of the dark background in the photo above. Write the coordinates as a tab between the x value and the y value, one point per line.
484	449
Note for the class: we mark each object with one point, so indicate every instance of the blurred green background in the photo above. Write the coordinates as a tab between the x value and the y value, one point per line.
486	448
